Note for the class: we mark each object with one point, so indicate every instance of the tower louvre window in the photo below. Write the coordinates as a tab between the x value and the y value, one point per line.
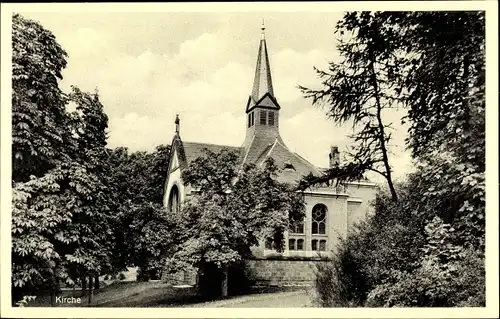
250	119
270	119
263	115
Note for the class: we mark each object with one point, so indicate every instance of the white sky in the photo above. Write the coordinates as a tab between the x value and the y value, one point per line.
150	66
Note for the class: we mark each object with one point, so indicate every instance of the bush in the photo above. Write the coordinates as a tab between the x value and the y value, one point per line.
403	256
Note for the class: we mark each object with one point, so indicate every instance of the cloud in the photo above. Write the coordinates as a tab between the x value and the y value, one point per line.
206	81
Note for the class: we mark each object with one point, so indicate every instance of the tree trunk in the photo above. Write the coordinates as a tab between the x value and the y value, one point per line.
97	283
383	147
90	289
74	290
52	297
83	280
225	280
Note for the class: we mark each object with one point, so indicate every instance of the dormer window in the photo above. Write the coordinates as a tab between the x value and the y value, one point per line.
263	115
270	118
288	166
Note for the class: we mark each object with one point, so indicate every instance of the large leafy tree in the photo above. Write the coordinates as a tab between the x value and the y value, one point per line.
142	228
231	210
40	138
436	232
67	210
62	204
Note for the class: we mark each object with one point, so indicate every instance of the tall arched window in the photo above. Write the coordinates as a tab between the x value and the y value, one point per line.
174	204
318	225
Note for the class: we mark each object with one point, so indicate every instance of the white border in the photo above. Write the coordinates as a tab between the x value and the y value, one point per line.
492	183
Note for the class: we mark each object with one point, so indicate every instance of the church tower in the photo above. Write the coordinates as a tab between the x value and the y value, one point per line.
262	110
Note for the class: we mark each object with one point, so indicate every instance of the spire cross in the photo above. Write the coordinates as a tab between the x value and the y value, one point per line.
177	124
262	36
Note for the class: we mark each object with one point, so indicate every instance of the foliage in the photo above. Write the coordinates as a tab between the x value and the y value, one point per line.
427	249
360	89
40	139
142	228
23	302
233	207
59	228
62	202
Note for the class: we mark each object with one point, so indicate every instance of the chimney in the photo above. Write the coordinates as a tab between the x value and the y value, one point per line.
334	156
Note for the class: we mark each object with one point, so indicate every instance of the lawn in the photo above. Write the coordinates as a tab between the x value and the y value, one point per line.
143	294
130	294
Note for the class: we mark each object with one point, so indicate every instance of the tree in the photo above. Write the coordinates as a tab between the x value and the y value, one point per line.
40	139
61	216
232	209
359	89
446	102
142	228
415	252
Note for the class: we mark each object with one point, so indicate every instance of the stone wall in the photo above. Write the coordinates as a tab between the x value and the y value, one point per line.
281	272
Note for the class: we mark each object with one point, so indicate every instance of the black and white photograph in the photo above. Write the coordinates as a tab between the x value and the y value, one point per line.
327	156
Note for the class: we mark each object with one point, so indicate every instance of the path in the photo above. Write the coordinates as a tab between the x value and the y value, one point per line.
292	299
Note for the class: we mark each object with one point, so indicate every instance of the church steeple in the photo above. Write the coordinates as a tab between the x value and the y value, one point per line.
262	107
262	83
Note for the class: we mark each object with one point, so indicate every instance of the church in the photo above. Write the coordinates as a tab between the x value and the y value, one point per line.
330	210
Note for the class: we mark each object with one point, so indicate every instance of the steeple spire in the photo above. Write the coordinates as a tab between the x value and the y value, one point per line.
262	82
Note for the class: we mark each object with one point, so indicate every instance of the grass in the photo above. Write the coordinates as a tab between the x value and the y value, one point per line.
129	294
142	294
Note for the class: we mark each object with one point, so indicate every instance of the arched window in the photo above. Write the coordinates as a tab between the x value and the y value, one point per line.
291	244
322	245
174	204
297	227
318	225
317	244
314	244
300	244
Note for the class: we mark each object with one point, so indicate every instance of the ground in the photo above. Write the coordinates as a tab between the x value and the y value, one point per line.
289	299
158	294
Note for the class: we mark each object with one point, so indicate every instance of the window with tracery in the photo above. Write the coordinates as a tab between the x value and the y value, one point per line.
318	224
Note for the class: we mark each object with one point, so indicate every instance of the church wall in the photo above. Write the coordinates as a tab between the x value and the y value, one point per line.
336	224
174	178
360	202
265	272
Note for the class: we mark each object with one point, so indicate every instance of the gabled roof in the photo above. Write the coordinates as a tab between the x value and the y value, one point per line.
194	150
292	166
189	151
266	101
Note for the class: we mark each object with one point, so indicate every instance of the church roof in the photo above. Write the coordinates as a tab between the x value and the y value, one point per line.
292	166
194	150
